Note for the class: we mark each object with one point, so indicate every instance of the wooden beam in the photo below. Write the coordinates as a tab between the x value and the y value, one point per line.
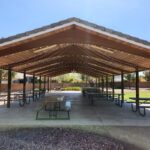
34	58
87	66
70	58
109	58
68	36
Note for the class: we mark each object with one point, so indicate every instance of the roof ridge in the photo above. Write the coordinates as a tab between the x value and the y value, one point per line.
78	20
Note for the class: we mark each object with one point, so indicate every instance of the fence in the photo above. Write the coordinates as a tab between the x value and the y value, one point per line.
19	86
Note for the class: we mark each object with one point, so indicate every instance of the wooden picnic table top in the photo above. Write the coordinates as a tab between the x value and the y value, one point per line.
141	98
96	93
12	94
53	99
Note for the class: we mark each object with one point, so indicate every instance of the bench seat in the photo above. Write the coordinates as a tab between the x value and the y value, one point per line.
141	106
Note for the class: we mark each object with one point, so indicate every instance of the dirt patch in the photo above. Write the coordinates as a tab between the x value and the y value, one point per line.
58	139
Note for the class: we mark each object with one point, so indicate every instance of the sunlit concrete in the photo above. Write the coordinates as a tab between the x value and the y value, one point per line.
102	113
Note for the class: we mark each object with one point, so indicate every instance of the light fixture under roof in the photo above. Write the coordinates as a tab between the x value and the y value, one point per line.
43	49
108	50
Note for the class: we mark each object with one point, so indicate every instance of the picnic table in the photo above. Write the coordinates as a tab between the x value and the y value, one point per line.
89	89
54	105
144	103
15	96
53	102
92	95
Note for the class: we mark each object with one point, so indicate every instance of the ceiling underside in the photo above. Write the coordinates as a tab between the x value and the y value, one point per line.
73	48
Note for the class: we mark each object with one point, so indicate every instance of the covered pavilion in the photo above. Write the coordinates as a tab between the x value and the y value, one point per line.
74	45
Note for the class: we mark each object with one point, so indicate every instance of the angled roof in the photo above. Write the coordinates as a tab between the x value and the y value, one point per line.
74	21
74	44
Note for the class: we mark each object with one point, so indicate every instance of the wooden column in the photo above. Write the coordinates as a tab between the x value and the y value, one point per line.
137	89
40	86
96	83
45	83
9	88
122	86
48	84
99	82
113	86
107	86
33	87
102	84
86	80
24	87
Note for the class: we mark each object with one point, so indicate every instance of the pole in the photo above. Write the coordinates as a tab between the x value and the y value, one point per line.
137	89
9	88
40	86
33	86
107	86
24	87
102	84
44	83
113	87
122	87
48	84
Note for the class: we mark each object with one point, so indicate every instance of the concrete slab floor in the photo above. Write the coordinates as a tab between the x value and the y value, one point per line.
104	118
103	112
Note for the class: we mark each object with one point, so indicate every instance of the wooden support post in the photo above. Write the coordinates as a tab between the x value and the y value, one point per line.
48	84
122	86
137	89
24	87
113	87
86	80
9	88
33	88
45	83
107	86
96	82
99	82
40	86
102	84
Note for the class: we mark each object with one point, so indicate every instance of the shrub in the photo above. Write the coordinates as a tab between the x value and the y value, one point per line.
71	89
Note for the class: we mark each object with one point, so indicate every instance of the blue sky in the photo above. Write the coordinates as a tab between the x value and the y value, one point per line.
128	16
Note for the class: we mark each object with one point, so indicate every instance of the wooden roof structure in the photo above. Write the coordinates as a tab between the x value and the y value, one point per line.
74	45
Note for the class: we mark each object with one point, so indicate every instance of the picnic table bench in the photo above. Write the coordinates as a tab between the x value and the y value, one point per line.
143	104
54	106
89	89
17	96
13	97
92	95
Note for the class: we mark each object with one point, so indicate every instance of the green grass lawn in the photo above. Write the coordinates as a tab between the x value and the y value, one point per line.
143	93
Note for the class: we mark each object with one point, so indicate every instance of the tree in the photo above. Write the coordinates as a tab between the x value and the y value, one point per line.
147	75
4	75
69	78
130	78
